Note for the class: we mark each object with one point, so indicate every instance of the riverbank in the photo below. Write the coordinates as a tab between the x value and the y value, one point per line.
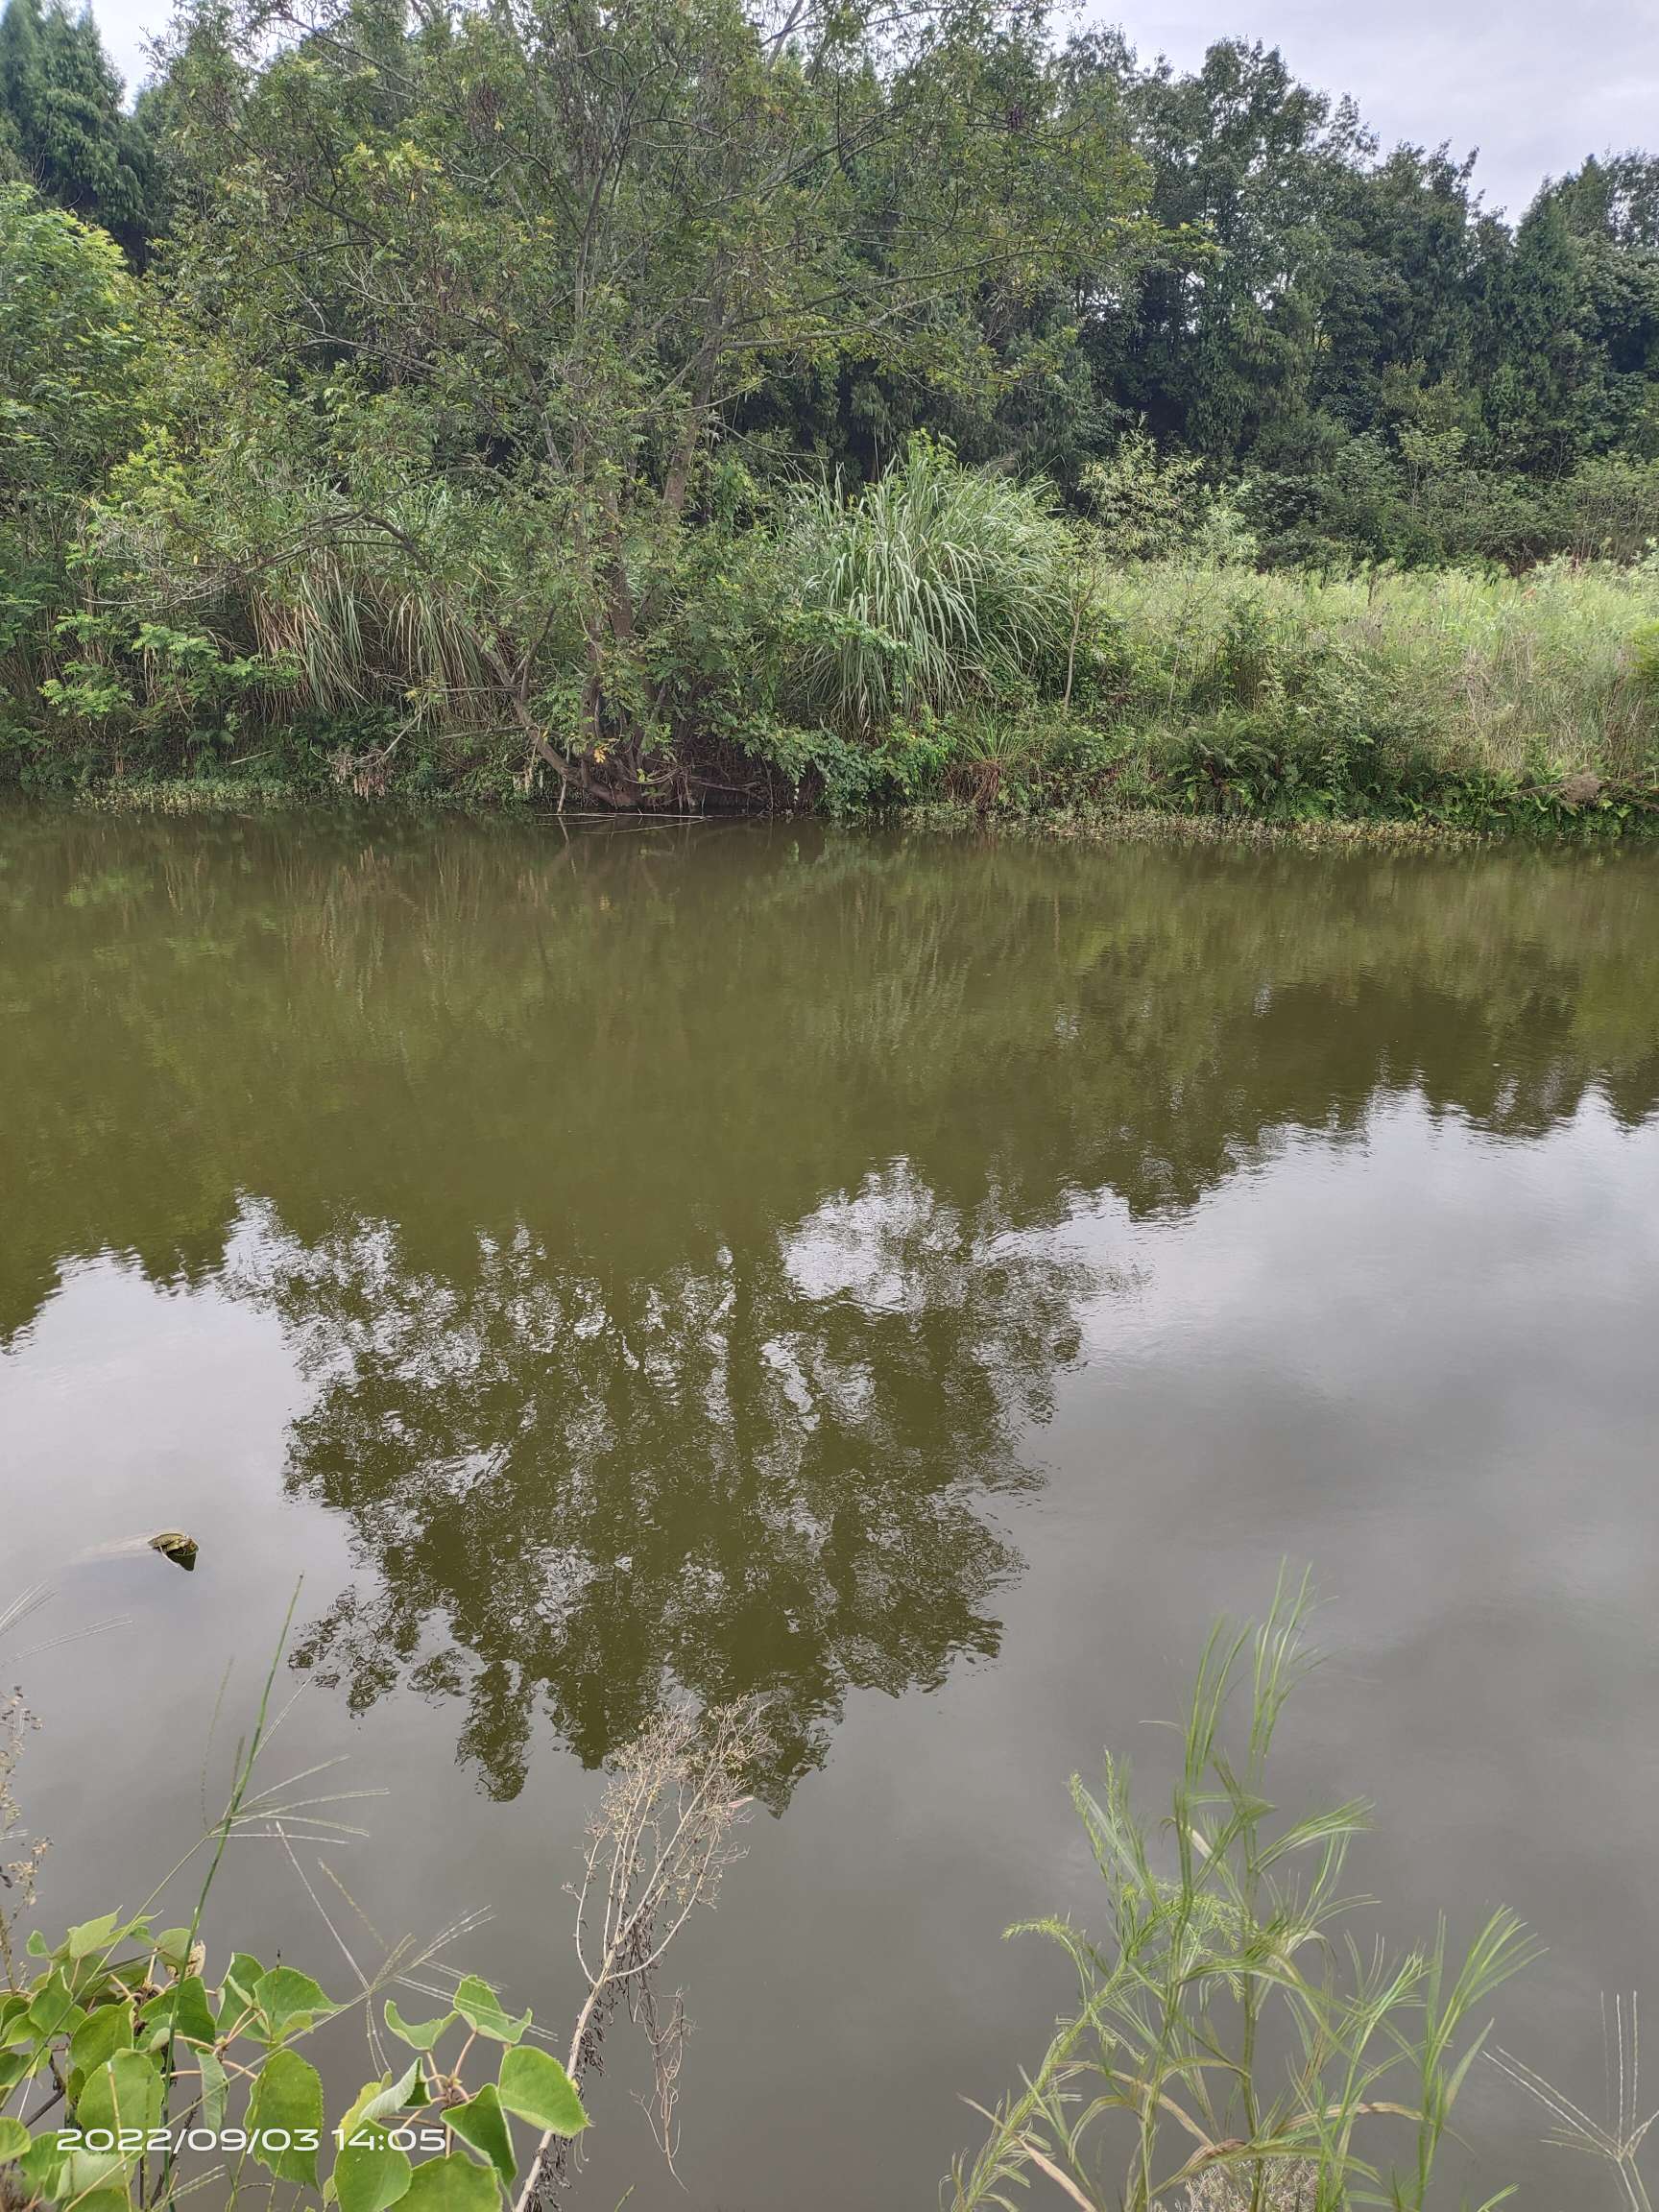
1533	814
178	797
1183	690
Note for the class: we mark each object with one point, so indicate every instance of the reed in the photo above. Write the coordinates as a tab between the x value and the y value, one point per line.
935	583
1231	2033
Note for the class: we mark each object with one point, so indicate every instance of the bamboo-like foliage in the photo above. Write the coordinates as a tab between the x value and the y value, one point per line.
1226	2032
935	582
366	624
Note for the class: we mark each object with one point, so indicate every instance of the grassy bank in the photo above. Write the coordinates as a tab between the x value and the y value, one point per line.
1198	691
1465	701
1447	693
942	639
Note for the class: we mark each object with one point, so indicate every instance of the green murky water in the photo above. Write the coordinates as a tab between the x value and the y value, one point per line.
917	1282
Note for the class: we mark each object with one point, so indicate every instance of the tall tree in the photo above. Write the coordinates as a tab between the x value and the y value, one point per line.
61	119
1533	342
541	248
70	345
1247	167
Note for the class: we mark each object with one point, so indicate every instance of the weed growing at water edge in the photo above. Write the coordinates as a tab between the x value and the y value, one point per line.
1231	2042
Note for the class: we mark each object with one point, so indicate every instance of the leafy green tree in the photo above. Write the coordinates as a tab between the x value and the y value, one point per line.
61	121
1248	165
71	345
1615	198
1535	345
1396	315
543	259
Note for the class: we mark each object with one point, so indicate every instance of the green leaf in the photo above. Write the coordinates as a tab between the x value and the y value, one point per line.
368	2179
241	1976
83	2169
106	2199
418	2035
124	2092
215	2086
53	2005
100	1935
99	2036
481	2010
41	2166
14	2140
172	1949
14	2027
377	2099
483	2123
185	2009
288	2003
451	2184
288	2096
537	2087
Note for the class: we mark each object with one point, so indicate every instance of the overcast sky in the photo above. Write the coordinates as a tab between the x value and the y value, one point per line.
1536	84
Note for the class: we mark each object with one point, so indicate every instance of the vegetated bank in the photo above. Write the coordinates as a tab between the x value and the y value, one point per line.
950	645
686	405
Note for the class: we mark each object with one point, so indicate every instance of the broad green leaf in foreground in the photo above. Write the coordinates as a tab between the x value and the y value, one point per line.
451	2184
376	2100
287	2098
483	2012
372	2177
289	2003
185	2009
99	2036
124	2092
537	2089
418	2035
483	2123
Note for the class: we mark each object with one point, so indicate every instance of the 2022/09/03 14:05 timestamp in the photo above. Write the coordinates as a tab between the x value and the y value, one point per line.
131	2141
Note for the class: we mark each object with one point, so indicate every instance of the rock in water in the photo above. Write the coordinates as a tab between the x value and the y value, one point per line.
173	1544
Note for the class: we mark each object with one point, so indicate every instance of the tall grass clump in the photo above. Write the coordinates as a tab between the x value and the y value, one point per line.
369	618
1402	684
1233	2044
933	585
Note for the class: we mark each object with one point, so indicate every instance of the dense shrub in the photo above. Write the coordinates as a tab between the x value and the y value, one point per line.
935	583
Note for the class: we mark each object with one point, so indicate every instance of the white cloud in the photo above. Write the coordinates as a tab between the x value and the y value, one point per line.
1535	86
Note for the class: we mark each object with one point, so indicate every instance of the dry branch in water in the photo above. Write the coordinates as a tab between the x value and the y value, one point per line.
660	1840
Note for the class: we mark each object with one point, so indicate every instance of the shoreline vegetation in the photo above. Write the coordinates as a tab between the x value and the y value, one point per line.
691	406
1205	697
141	2074
1439	743
179	798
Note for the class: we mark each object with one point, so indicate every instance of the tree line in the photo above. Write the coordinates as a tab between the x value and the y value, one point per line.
450	362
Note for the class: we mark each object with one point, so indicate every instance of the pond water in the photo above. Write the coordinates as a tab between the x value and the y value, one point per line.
921	1282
